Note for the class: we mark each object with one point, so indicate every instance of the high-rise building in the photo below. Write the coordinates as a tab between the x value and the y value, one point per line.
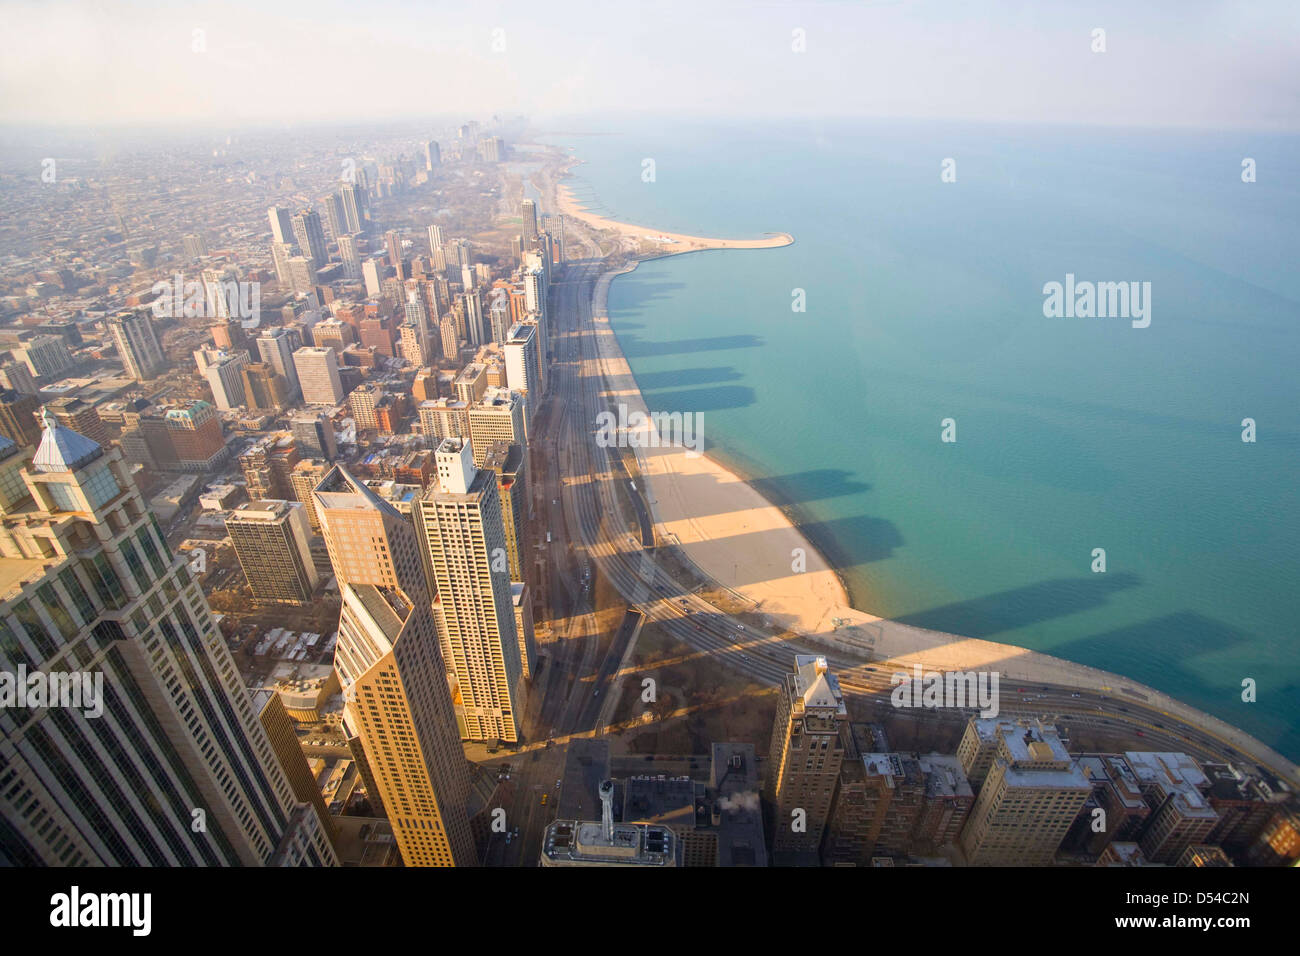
281	225
355	211
226	377
17	376
302	274
1029	799
228	334
362	402
276	348
304	478
432	155
1181	815
508	462
450	340
185	438
318	375
397	702
272	541
310	237
463	542
268	466
18	418
47	356
806	753
528	209
350	253
314	436
80	416
498	416
334	220
444	418
264	388
372	271
281	253
137	346
523	362
162	760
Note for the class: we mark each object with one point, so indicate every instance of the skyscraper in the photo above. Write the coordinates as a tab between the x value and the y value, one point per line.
18	418
397	700
310	237
432	155
226	377
335	221
281	224
162	761
314	436
497	416
350	253
806	754
523	362
272	541
463	542
528	209
137	346
1032	793
318	375
265	389
276	348
355	212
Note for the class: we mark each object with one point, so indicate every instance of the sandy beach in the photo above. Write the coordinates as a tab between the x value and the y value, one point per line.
670	242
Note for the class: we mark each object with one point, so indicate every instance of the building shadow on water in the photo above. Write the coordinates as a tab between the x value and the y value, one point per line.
635	347
995	614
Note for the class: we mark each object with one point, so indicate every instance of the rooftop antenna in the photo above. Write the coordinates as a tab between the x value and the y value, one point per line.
607	810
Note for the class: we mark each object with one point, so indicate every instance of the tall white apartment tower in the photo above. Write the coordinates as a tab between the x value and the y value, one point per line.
463	543
161	759
137	345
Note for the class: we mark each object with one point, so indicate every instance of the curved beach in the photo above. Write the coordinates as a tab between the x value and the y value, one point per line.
670	242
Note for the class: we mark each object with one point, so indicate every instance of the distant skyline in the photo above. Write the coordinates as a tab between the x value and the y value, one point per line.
1198	64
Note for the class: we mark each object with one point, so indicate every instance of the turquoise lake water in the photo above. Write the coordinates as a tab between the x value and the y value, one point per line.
925	302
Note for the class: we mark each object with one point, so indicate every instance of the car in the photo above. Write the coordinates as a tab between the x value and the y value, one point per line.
1074	695
741	626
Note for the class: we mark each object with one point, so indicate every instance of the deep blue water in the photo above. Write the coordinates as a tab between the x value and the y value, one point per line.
925	302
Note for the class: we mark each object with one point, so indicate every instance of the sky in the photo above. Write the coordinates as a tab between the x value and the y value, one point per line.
1184	63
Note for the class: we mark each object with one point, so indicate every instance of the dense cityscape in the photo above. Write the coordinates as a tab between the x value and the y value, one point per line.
301	463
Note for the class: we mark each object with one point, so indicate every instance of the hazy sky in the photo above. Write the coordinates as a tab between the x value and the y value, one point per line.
1186	63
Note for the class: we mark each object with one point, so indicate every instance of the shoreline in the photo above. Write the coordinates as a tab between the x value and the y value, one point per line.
817	604
677	243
